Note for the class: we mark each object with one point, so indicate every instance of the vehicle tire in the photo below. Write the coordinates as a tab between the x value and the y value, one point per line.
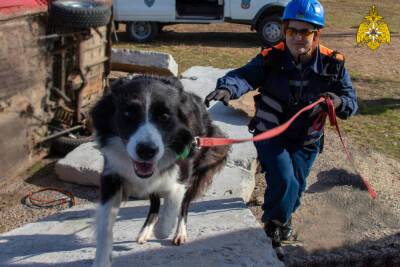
142	31
270	30
79	14
65	144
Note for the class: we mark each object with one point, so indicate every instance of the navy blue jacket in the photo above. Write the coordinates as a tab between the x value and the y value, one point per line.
286	87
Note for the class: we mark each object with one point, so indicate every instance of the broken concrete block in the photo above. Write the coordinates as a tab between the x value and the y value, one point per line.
83	165
145	62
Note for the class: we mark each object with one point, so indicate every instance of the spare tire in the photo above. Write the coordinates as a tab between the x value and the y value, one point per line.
79	14
65	144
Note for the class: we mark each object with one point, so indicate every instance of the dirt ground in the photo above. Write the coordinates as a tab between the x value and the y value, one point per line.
337	222
14	213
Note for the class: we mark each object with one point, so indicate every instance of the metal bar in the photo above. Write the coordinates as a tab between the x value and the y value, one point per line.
59	134
62	94
63	69
57	35
84	83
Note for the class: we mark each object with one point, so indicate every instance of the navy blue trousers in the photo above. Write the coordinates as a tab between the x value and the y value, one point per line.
286	169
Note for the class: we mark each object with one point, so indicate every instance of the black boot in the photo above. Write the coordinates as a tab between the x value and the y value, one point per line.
273	231
286	231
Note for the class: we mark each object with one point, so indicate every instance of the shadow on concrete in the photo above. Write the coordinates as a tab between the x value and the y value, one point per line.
222	249
335	177
384	252
213	39
22	247
140	212
194	253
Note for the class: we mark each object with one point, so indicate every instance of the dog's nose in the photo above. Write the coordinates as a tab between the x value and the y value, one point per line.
146	151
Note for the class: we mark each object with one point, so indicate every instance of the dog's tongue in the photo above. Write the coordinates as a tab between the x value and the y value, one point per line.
143	168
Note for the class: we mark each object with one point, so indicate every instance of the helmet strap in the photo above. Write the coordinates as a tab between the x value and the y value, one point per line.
316	38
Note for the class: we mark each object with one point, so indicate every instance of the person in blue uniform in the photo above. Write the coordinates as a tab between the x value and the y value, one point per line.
289	76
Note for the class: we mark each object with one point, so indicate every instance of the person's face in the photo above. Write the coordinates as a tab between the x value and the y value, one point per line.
299	37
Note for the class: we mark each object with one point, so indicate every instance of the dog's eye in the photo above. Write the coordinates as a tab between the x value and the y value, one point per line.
127	114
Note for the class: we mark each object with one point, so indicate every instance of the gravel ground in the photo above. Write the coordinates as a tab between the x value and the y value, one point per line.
12	192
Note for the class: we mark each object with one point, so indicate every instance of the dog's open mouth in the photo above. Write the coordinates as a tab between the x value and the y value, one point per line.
143	169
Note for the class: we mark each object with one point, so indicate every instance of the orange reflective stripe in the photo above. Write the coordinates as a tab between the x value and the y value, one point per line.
329	52
265	51
325	50
280	46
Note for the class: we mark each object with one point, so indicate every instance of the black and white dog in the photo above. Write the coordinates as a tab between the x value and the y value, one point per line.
146	128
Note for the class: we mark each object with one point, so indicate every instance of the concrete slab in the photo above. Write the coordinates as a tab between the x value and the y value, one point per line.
222	232
233	181
201	81
146	62
82	165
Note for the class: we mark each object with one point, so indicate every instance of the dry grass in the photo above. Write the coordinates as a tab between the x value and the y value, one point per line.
345	14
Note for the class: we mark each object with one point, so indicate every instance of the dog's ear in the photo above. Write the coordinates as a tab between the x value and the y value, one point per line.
185	108
101	116
120	82
173	81
192	113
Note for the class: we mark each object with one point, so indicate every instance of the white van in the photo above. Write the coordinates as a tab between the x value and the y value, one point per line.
145	18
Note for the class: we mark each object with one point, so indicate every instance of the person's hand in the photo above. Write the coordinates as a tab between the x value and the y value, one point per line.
335	99
220	94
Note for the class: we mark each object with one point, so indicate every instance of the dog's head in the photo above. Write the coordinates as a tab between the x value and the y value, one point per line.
149	118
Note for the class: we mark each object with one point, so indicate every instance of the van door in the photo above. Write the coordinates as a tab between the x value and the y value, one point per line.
245	10
144	10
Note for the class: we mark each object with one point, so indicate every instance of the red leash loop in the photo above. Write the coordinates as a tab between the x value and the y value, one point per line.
318	124
49	202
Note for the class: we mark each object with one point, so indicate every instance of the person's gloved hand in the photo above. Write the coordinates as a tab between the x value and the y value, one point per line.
337	101
220	94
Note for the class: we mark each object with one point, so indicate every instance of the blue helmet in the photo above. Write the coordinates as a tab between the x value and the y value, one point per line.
310	11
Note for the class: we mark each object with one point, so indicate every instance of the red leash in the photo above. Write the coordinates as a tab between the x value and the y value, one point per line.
333	122
219	141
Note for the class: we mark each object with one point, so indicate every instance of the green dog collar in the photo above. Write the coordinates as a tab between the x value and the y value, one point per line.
185	153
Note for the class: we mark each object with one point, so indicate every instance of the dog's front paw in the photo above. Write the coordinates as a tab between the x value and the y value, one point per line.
180	239
143	236
181	236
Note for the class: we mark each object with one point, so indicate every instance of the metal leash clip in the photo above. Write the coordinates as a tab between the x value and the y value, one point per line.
196	143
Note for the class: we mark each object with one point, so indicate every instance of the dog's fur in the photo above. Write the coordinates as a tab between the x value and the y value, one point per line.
143	126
